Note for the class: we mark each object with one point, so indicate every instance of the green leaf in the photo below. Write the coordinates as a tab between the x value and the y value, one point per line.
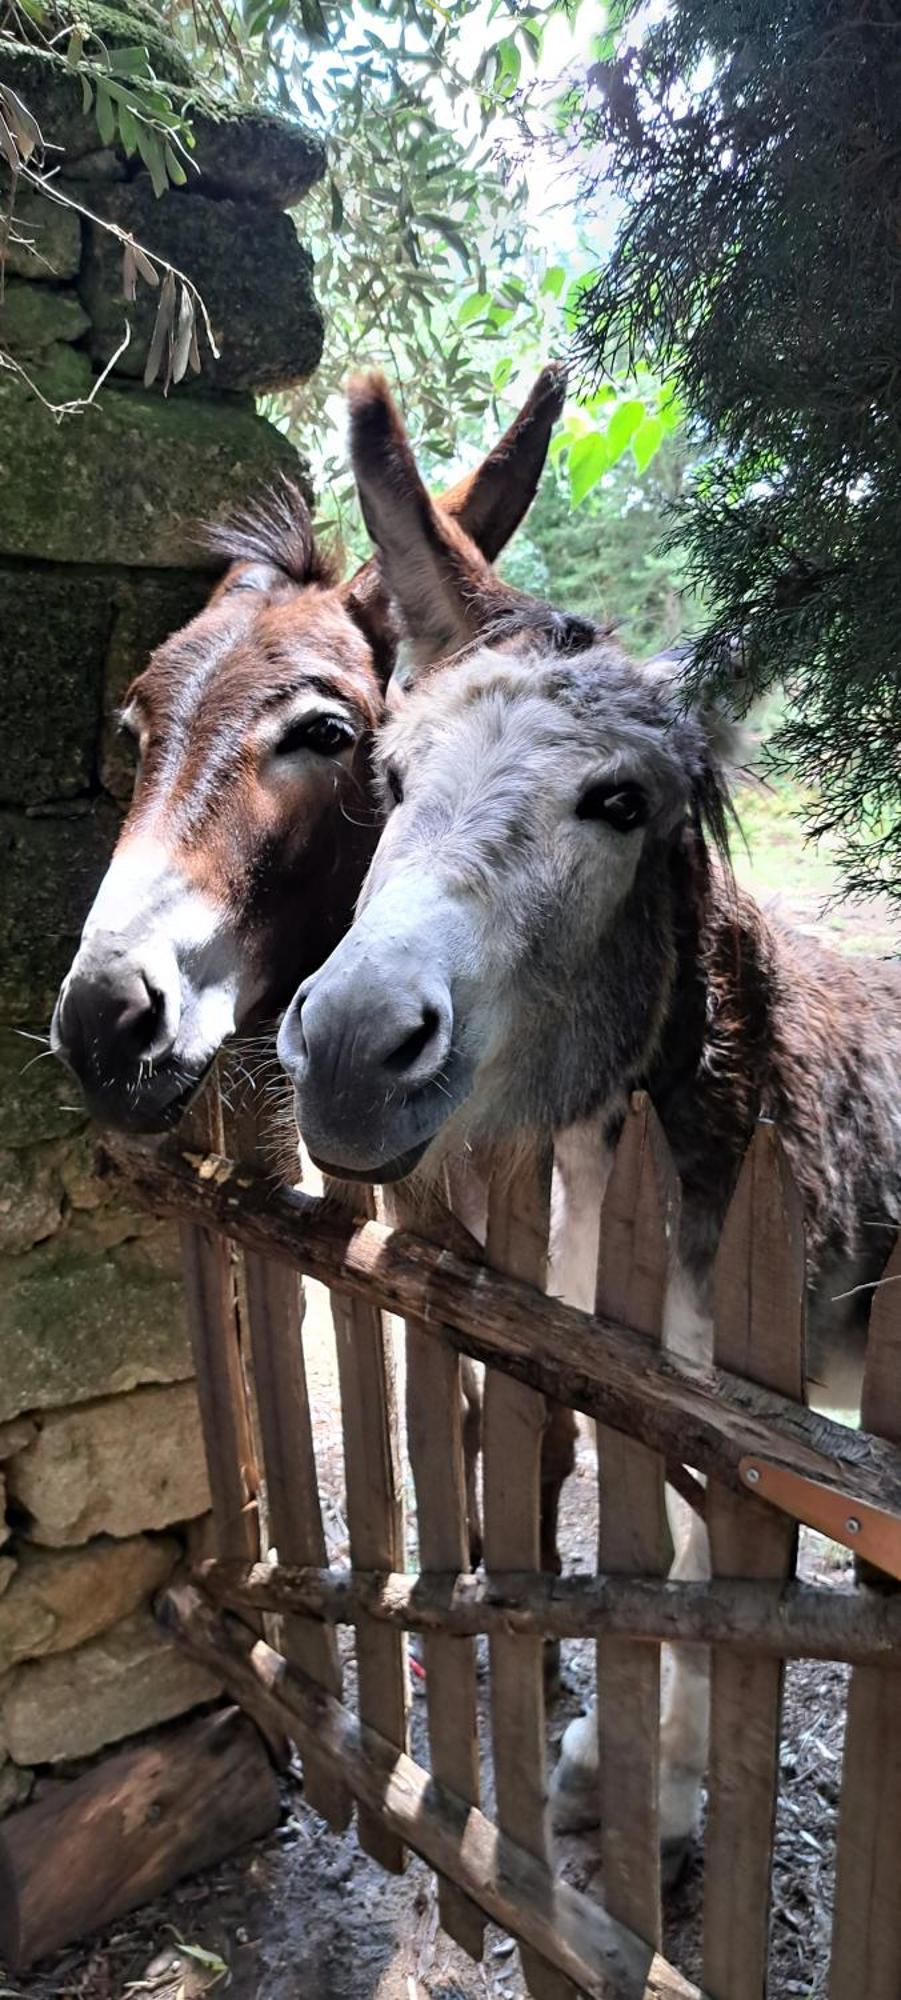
500	375
474	307
128	129
74	48
553	281
313	20
174	167
105	114
509	60
151	151
647	440
622	427
588	460
130	62
87	96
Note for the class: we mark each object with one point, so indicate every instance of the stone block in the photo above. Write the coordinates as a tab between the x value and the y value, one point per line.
127	480
50	869
71	1704
56	630
113	1467
61	374
34	1094
45	238
57	1601
148	610
256	155
15	1435
32	317
75	1325
31	1195
8	1567
251	270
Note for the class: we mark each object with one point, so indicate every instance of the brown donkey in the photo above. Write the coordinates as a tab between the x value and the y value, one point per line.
253	818
548	925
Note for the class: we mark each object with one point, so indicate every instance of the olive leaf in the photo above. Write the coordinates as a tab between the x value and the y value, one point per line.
21	122
184	335
163	325
129	274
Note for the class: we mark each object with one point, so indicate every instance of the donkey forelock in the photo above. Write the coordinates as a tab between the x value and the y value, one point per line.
275	528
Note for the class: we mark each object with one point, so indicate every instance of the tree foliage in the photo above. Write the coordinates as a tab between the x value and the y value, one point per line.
756	147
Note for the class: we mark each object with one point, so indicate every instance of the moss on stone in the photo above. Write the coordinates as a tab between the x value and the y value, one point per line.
34	1093
44	240
33	316
76	1327
127	480
55	638
50	870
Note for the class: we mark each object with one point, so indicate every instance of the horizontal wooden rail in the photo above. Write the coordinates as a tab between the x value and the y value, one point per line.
791	1621
709	1419
573	1933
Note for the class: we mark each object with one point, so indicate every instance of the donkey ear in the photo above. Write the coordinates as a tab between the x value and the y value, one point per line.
435	574
490	502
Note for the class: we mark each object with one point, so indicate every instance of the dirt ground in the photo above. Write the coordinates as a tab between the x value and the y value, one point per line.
305	1916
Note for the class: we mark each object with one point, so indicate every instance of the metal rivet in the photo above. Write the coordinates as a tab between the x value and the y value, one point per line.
853	1525
752	1475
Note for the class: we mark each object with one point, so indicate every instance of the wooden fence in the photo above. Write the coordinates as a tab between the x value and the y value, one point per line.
767	1462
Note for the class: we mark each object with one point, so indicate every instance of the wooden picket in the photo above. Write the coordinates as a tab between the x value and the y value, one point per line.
744	1426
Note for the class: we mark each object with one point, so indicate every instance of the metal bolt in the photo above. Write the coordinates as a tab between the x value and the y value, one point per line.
853	1525
752	1476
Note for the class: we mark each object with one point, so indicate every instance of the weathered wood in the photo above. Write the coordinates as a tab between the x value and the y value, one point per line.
375	1521
758	1292
93	1847
708	1419
275	1317
215	1343
435	1447
793	1621
513	1423
639	1221
568	1930
866	1943
273	1301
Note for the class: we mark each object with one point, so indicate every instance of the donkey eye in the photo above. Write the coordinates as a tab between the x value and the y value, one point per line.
394	784
326	734
619	806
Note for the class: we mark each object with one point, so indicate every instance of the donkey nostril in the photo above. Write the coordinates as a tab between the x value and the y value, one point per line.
140	1020
408	1052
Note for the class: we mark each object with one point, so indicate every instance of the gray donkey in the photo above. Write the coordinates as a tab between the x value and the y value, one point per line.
548	923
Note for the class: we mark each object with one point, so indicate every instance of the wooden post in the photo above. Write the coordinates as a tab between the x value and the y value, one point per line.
435	1446
215	1341
758	1296
563	1929
866	1943
375	1519
513	1423
274	1305
93	1847
639	1225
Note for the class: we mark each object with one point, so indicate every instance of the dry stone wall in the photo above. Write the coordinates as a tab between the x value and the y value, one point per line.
102	1481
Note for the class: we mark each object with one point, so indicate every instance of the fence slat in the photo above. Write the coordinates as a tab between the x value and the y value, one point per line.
866	1942
759	1333
273	1300
215	1343
435	1447
375	1522
639	1221
513	1425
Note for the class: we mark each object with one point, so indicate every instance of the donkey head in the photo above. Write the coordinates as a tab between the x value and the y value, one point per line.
253	817
513	954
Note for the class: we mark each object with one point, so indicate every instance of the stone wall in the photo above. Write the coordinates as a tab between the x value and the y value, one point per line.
101	1463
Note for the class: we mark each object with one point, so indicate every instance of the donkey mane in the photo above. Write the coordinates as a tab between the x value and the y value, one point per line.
274	528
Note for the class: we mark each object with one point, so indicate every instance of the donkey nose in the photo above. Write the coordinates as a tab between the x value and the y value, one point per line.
111	1018
385	1042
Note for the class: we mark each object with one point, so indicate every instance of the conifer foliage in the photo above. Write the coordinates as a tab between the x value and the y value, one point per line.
757	145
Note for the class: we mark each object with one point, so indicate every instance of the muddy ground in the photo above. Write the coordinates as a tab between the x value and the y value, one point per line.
305	1916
